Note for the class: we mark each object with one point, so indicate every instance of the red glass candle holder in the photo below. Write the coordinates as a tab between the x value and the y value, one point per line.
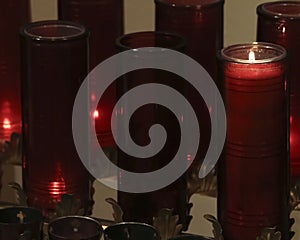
200	22
14	14
104	19
54	63
279	23
253	190
142	207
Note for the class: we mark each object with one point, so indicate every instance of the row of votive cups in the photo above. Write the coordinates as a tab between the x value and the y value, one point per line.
26	223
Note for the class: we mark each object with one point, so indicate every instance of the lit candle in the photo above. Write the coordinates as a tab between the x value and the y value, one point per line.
8	121
253	173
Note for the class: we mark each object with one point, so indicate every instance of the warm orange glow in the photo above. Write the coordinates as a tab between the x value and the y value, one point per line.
251	56
57	188
6	123
96	114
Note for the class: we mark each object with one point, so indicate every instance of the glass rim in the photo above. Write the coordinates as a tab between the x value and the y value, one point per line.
224	57
262	11
191	6
87	2
99	225
180	45
131	224
82	30
189	236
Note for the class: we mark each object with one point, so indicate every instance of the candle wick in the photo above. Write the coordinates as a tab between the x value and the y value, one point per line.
21	216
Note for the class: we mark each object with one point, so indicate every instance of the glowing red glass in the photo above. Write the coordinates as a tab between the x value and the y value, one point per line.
279	22
253	189
13	14
104	19
54	64
142	207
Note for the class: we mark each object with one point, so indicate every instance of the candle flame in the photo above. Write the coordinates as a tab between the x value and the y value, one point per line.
57	188
251	56
96	114
6	123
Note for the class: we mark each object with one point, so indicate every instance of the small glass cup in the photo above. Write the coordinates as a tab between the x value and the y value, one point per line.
18	221
131	231
75	227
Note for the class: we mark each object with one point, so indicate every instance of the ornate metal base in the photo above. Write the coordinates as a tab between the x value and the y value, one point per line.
165	221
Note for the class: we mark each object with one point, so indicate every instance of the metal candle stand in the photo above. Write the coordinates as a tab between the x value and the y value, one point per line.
10	152
165	222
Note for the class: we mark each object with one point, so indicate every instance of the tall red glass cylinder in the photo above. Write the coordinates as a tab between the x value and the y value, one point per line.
13	14
279	23
142	207
104	19
253	189
200	22
54	58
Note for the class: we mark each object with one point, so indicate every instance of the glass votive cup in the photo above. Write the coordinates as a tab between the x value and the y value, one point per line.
131	231
75	227
15	221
